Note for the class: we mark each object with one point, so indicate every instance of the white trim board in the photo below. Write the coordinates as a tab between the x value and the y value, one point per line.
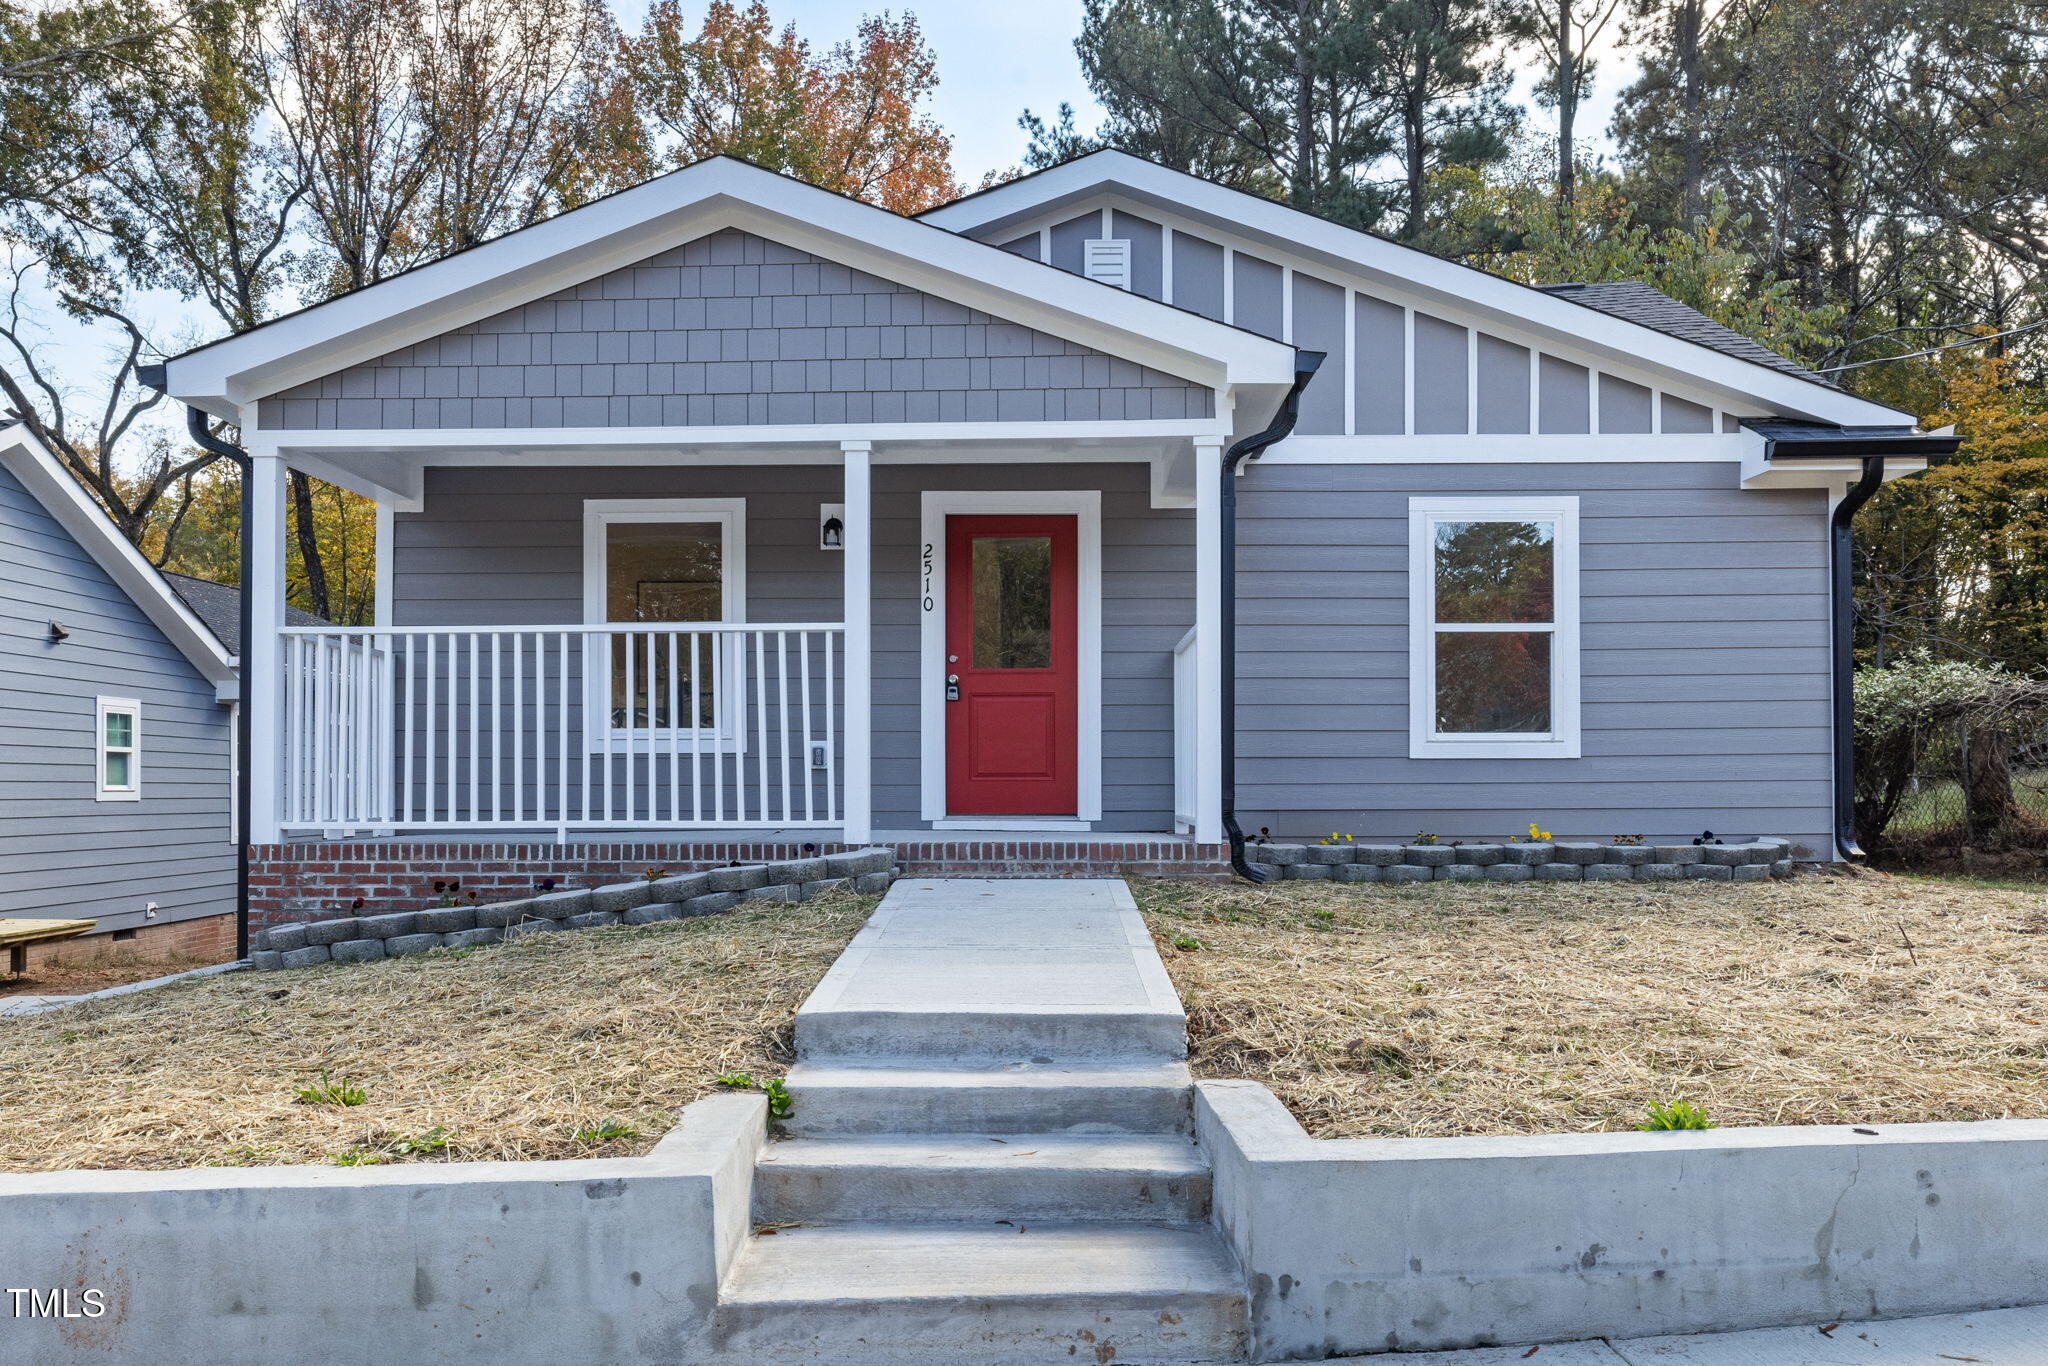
1564	738
1085	506
1638	448
1324	246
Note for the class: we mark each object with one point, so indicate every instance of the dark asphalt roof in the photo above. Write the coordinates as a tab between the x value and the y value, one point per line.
1638	303
219	605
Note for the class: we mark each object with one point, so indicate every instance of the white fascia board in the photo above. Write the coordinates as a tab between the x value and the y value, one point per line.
1406	269
629	226
65	499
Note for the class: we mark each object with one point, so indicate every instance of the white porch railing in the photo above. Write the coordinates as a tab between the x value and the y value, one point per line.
672	726
1184	733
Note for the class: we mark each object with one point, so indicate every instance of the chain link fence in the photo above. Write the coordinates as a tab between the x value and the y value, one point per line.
1972	792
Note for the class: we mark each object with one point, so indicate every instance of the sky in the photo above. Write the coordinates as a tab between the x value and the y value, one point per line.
994	61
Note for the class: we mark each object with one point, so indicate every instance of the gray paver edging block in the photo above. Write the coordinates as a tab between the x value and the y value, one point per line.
648	901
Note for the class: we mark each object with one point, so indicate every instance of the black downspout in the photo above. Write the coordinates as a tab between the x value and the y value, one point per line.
1305	365
1841	565
195	423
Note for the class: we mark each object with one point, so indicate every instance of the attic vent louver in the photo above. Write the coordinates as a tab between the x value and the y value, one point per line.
1108	261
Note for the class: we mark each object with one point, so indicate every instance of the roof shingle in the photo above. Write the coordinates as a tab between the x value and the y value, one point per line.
1638	303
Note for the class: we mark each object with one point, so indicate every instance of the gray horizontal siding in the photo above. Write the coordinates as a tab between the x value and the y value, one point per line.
504	547
63	853
733	329
1704	658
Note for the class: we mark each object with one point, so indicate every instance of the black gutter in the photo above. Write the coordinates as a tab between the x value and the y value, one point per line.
1306	364
1841	567
195	423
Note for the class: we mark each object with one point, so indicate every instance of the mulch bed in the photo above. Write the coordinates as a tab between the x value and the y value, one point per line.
1449	1009
500	1053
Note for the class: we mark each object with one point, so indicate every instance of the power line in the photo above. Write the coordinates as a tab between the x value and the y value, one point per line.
1937	350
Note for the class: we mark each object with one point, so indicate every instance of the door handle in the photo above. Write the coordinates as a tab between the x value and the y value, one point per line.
952	687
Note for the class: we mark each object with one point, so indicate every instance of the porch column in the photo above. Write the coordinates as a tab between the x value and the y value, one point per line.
1208	647
857	800
262	682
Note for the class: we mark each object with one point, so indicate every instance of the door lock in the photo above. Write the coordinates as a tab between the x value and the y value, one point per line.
952	687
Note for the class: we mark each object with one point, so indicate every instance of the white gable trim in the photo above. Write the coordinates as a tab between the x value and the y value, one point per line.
688	204
66	500
1432	283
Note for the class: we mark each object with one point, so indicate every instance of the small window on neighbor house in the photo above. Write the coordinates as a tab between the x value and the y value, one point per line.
1494	628
1108	260
119	749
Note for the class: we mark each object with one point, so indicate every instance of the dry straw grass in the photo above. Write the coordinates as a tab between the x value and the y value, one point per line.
1449	1009
508	1049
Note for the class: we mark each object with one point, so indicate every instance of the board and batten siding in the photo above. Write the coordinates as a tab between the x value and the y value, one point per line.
505	547
1705	659
1392	369
63	853
734	330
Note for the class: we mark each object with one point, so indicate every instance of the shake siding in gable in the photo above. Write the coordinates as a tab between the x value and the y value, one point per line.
64	853
1705	659
734	330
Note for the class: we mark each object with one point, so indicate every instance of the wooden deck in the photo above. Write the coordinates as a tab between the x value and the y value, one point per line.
17	935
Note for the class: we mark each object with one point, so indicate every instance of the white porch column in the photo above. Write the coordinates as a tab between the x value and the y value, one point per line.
1208	647
262	685
858	798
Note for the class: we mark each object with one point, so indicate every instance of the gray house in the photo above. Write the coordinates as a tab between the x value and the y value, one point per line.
726	512
116	732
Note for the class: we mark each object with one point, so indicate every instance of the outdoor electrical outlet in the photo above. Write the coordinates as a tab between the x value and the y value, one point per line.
817	756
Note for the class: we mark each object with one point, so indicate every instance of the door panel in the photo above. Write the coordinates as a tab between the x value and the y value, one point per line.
1012	738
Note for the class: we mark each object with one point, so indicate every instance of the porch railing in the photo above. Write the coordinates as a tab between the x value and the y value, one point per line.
636	725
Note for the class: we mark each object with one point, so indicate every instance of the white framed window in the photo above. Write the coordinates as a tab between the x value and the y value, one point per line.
664	561
117	745
1493	640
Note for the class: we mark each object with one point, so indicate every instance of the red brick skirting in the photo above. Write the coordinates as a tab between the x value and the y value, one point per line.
287	882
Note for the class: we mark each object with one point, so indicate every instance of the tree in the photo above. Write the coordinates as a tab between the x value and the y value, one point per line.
1561	32
849	120
1446	92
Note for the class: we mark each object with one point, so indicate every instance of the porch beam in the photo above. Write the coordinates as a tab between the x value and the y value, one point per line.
1208	646
261	672
857	801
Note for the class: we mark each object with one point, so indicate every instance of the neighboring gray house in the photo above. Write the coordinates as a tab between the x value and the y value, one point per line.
728	509
116	730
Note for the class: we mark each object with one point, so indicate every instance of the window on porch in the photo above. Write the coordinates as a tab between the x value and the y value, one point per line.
665	562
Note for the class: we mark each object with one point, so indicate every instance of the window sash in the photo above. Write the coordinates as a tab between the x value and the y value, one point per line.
1562	740
602	725
109	754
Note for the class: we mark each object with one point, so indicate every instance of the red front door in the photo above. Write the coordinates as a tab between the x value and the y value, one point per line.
1012	740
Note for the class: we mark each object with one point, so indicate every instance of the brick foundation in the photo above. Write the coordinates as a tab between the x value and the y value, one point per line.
208	938
293	882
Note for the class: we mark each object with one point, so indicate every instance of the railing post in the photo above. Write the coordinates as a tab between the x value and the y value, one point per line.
1207	807
262	680
857	801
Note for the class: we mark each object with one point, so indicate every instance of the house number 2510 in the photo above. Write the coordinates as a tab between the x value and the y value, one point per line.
928	557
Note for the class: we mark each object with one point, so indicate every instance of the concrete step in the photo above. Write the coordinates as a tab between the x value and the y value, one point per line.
982	1178
910	1294
835	1101
990	1035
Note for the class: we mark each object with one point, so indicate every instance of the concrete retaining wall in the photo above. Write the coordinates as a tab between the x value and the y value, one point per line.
1373	1245
609	1260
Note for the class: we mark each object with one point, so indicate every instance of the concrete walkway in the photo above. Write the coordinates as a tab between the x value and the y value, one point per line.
1009	969
1996	1337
